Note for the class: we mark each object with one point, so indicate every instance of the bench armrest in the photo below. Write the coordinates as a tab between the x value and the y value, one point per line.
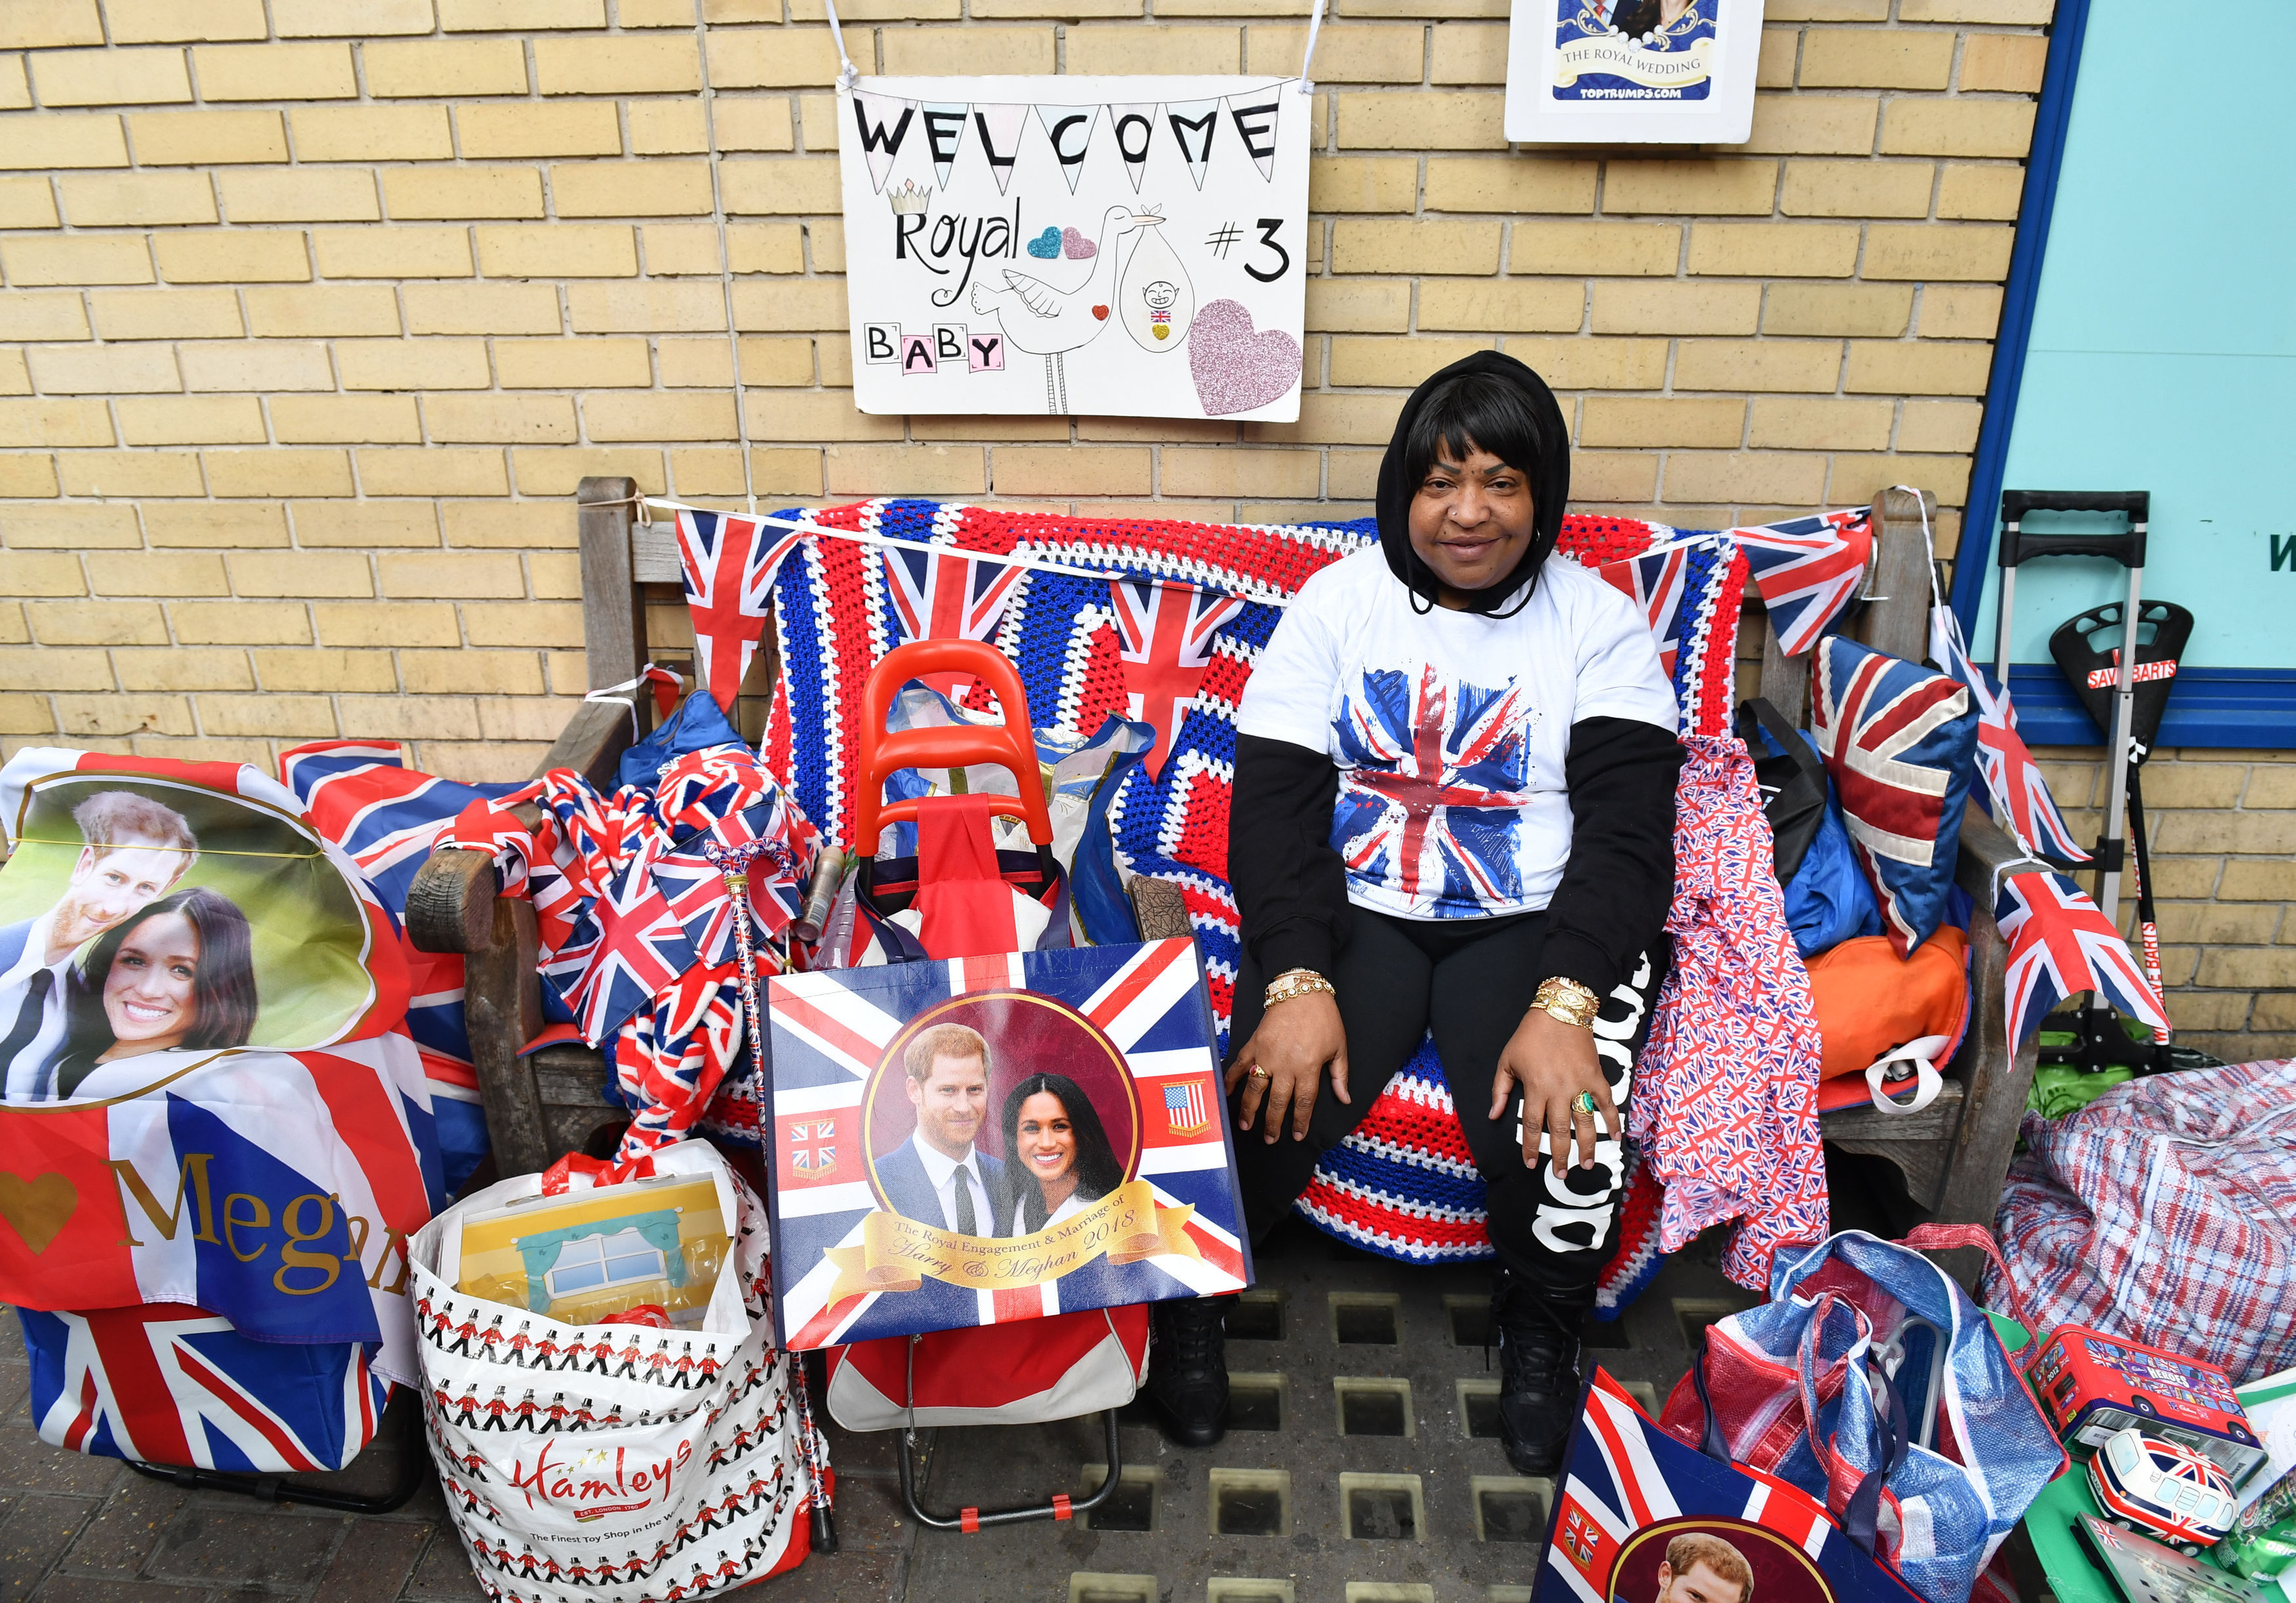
450	906
1985	847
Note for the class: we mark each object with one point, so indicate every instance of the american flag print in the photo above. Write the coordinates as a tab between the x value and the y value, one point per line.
2019	792
1807	570
1899	743
1183	1109
1164	634
1623	1475
2060	944
172	1384
728	563
1432	774
830	1030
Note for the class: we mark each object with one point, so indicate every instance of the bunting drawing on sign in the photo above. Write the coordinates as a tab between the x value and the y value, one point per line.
1133	126
1069	128
1255	124
1192	125
879	142
943	129
999	127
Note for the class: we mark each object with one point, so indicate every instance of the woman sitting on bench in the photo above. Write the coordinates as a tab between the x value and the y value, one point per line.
1453	809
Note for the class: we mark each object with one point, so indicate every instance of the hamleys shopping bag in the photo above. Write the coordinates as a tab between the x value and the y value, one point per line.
615	1462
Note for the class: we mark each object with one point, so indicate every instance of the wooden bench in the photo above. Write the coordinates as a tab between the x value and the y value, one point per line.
1952	1155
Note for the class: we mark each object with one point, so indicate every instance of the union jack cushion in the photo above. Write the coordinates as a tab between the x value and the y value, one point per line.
1901	744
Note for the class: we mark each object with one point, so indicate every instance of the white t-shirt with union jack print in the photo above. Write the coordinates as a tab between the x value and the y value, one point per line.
1451	729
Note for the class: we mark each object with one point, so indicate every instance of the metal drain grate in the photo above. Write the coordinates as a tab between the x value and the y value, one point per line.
1361	1461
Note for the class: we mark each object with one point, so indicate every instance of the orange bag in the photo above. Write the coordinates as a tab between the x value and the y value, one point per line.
1878	1014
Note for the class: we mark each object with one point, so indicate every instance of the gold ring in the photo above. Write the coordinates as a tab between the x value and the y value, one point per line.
1257	1072
1584	1102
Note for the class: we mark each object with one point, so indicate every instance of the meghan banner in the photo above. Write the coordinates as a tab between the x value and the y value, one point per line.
983	1140
1152	229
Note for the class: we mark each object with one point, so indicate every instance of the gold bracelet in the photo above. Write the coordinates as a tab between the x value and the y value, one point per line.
1567	1002
1293	983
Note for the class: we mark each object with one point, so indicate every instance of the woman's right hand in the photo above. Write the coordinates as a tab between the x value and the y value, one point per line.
1294	1043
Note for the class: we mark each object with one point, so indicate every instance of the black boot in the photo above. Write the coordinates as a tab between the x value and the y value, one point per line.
1187	1369
1539	1373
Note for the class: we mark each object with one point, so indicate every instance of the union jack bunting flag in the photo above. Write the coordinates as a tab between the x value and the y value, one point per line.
1628	1489
1654	584
1900	741
1129	1210
1808	571
952	597
2060	944
1164	634
2018	796
1435	772
170	1384
729	563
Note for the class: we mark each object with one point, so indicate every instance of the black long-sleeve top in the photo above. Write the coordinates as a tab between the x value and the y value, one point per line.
1291	886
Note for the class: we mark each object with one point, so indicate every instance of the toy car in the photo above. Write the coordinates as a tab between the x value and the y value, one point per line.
2163	1487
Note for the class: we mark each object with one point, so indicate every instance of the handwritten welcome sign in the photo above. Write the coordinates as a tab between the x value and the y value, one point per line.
1136	247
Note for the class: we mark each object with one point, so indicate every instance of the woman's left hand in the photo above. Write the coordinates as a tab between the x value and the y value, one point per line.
1552	1062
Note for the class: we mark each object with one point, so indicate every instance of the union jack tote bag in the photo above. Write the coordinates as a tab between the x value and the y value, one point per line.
1872	1383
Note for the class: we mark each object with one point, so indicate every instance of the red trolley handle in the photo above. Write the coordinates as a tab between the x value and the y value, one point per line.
1007	745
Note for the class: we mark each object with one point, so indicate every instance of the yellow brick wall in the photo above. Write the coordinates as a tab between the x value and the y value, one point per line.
312	312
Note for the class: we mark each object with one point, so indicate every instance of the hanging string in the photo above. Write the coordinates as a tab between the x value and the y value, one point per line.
847	74
1307	62
725	252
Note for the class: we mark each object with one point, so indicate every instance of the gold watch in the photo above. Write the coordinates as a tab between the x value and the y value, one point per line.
1567	1002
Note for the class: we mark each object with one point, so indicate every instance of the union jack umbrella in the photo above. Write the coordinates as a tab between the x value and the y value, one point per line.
1627	1488
2059	945
1807	570
728	563
172	1384
1437	769
2019	793
833	1033
1164	634
1899	741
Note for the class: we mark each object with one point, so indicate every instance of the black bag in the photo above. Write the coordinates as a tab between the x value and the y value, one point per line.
1792	786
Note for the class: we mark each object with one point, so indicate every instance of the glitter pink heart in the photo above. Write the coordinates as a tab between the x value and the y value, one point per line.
1076	246
1236	367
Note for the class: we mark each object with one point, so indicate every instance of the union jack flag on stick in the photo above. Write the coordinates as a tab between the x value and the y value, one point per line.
2060	945
729	563
2020	795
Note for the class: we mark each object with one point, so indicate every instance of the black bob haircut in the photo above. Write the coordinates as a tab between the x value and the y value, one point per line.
1493	403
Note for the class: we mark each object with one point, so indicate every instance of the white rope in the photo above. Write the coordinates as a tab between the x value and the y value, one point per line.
847	74
807	526
1314	23
725	254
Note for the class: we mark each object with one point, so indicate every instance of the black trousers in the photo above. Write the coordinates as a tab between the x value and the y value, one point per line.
1471	980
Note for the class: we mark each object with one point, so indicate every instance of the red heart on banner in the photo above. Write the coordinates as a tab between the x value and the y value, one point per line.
1101	312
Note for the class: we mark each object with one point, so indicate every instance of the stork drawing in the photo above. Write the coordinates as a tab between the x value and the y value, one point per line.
1048	321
